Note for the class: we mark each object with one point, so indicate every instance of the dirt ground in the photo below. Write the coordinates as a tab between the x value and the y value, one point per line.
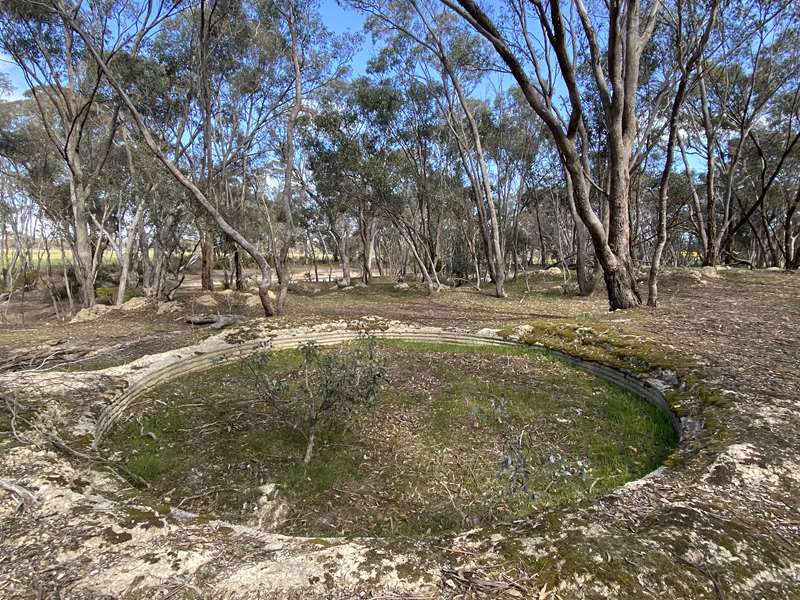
308	302
721	523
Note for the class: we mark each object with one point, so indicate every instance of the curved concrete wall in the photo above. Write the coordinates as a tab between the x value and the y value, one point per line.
170	365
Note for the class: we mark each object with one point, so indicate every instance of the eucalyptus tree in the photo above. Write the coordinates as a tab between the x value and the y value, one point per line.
769	157
767	184
78	115
514	141
690	30
314	58
222	80
538	62
419	131
454	59
144	23
257	22
349	152
752	63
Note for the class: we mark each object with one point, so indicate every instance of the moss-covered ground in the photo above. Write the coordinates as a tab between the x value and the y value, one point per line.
458	436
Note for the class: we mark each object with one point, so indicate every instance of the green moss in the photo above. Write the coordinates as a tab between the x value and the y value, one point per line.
152	465
429	456
586	340
637	354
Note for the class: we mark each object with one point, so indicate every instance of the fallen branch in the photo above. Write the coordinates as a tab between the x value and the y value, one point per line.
38	358
25	497
216	321
54	440
733	258
469	580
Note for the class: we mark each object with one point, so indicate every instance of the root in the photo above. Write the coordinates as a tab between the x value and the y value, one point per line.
55	440
25	497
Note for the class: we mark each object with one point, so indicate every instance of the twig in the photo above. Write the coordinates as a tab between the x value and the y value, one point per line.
705	572
469	580
201	495
13	406
25	497
403	597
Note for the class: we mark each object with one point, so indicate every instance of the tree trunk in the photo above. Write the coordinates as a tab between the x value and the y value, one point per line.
82	248
617	92
344	258
366	230
207	261
126	252
237	268
789	237
586	278
312	434
282	256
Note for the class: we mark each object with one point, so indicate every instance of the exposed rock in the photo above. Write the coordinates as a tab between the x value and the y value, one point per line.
664	379
401	286
520	332
169	307
90	314
487	332
359	284
341	284
694	275
137	303
254	300
270	510
206	300
709	272
553	271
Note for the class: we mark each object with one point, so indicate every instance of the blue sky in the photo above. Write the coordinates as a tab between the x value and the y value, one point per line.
337	18
343	19
8	68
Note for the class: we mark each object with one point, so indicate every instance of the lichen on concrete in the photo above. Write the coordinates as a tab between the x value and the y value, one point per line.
718	520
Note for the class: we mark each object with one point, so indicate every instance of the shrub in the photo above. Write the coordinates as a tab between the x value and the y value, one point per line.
333	383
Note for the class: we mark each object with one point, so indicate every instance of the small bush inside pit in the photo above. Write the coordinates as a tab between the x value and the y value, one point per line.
334	384
455	436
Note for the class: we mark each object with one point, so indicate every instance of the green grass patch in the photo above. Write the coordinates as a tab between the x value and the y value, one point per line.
460	435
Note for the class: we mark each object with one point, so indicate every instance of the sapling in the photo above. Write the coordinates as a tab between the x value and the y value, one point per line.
332	383
345	378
